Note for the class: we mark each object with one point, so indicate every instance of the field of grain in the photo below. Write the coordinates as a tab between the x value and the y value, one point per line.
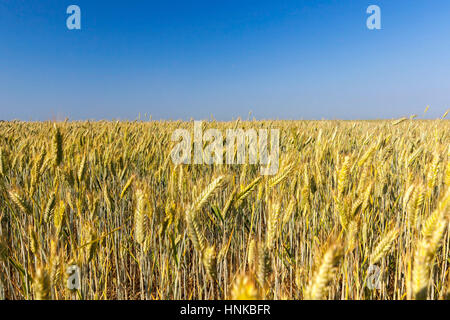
357	210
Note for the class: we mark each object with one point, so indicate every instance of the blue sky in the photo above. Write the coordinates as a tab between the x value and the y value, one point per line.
192	59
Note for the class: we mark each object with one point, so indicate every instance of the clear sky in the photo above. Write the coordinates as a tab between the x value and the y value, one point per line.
192	59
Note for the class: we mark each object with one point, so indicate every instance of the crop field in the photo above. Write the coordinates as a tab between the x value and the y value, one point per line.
98	210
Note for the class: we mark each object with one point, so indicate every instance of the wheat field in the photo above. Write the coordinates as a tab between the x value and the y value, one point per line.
357	210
